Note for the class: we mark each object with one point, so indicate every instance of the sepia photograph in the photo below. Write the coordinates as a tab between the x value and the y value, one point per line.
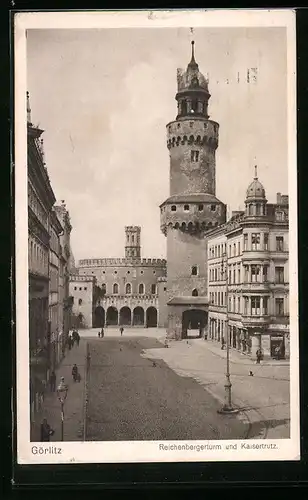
157	279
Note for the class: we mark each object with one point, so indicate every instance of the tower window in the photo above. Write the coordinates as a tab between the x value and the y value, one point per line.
173	208
213	208
194	271
80	302
153	288
128	288
195	292
115	288
200	208
186	208
194	155
133	239
141	288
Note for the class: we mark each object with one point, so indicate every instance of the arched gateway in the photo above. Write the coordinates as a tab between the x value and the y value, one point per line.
194	321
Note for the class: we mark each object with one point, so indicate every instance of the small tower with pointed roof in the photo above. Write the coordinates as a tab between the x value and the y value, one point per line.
192	208
256	201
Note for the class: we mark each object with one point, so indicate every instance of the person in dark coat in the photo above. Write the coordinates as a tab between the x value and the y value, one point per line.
46	431
259	356
98	334
77	338
102	332
121	330
75	373
52	381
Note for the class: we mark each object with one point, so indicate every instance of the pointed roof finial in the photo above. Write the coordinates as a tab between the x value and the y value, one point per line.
28	109
256	172
192	61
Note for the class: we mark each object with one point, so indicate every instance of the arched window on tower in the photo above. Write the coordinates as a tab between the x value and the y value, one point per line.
250	209
115	288
258	211
195	292
184	108
128	288
133	239
141	288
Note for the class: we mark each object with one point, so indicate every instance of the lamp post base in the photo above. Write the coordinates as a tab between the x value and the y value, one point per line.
228	408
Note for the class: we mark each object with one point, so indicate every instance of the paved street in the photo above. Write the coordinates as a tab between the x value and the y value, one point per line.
263	397
132	399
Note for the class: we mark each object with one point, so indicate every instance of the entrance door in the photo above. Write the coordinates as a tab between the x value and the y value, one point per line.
99	317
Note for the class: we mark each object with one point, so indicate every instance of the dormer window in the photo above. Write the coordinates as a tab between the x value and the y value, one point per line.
186	208
200	208
173	208
213	208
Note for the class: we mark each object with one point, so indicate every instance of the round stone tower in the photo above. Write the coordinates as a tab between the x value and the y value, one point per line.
192	208
132	242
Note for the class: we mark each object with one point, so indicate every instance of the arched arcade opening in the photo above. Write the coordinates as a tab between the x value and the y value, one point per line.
99	317
194	322
112	316
125	316
151	317
138	316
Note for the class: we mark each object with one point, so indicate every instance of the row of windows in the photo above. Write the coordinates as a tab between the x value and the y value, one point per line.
38	258
116	272
186	208
253	306
36	206
252	274
128	288
80	288
257	241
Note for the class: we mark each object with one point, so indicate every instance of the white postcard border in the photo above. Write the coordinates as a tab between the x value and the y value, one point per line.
145	451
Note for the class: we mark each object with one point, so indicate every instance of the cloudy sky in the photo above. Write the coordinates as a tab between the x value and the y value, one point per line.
104	98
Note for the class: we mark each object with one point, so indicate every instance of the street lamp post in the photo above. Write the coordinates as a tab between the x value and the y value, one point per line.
62	395
227	407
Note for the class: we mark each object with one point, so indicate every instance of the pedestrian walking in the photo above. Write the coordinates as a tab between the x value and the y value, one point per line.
77	338
69	341
46	431
259	356
222	344
52	381
99	334
102	332
75	373
121	330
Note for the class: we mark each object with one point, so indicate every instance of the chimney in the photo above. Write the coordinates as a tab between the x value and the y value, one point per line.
278	198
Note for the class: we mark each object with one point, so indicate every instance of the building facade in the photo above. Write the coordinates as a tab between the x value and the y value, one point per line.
248	278
66	266
40	201
126	289
192	208
81	291
54	304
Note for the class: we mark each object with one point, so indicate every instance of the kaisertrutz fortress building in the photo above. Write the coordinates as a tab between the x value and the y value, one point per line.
192	208
129	291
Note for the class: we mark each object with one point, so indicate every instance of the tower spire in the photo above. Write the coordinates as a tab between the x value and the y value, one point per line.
28	109
256	172
193	63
